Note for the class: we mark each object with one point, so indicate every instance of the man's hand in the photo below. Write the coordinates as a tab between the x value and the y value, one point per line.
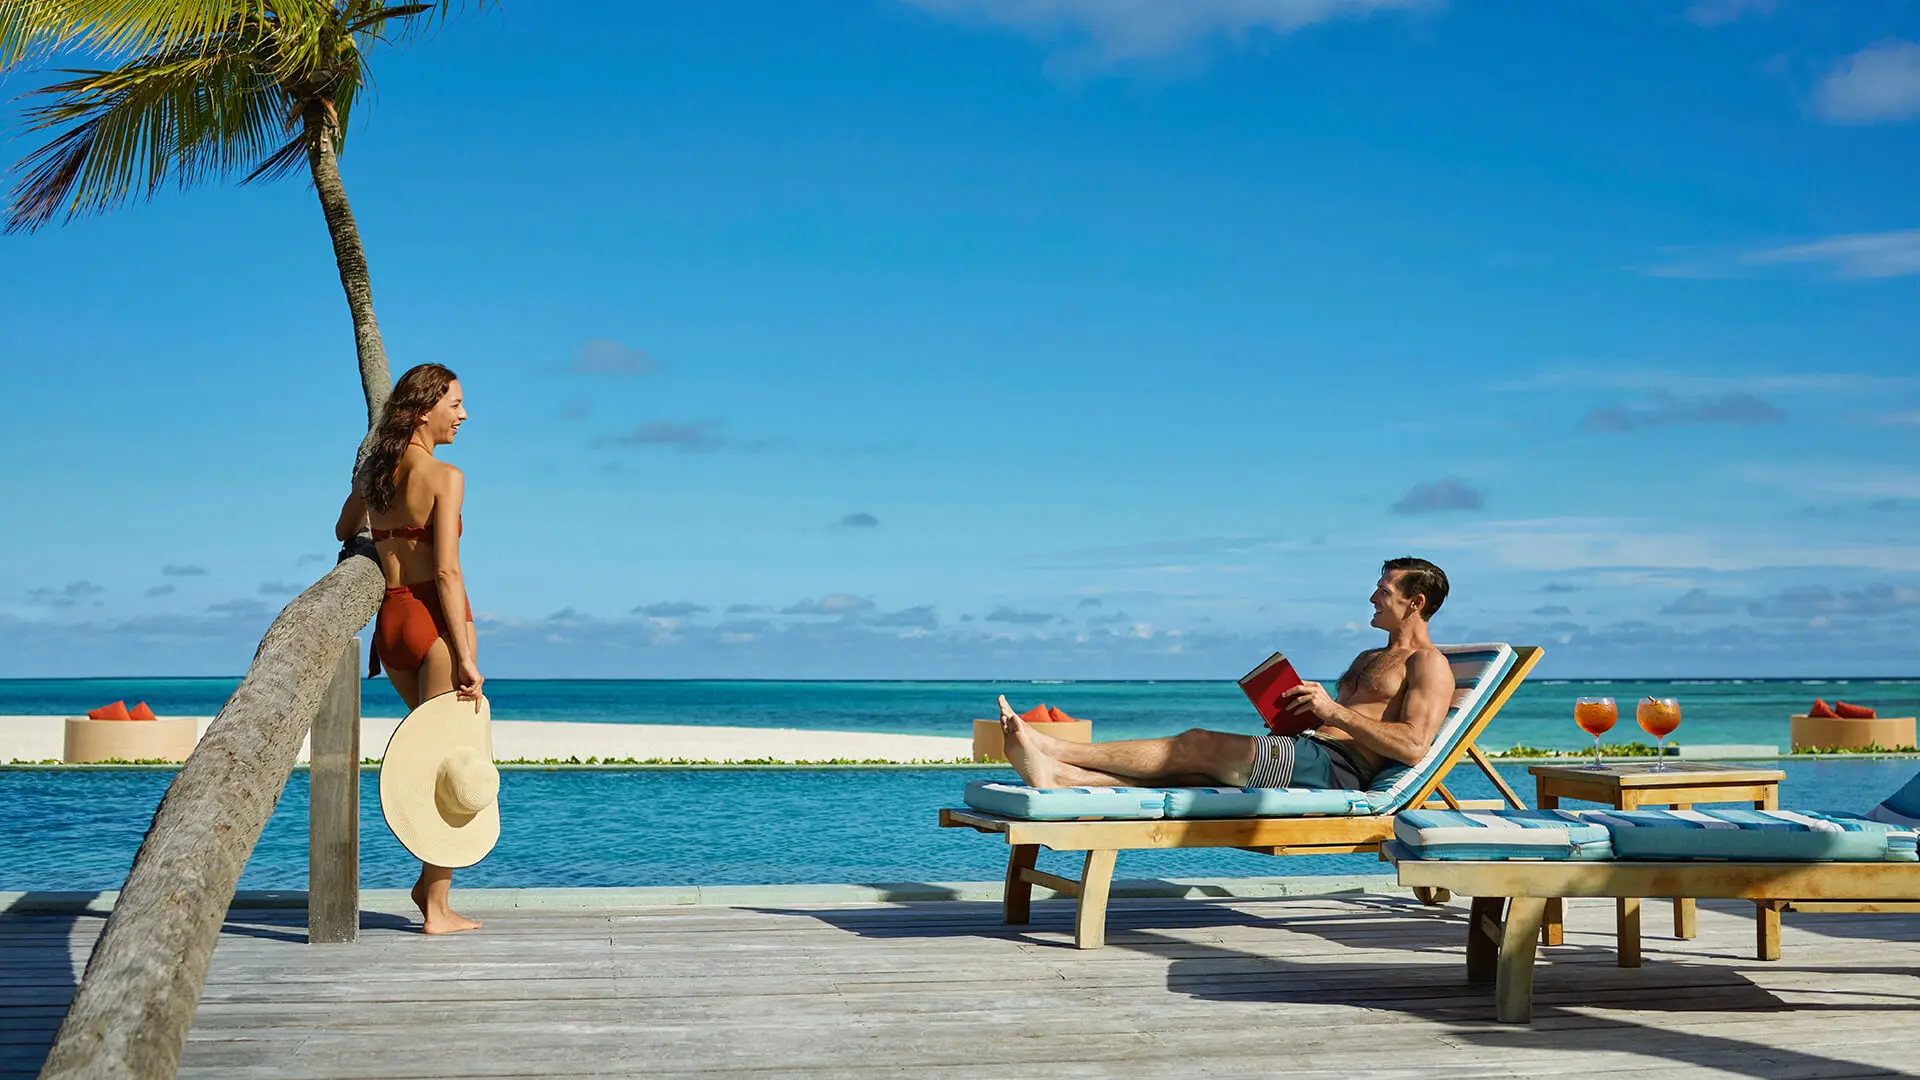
1310	699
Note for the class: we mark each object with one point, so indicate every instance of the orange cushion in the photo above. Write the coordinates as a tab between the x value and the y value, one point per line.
1820	709
141	712
1059	717
1036	715
115	711
1852	712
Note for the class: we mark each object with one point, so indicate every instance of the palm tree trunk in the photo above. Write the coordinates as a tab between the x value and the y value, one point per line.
375	381
134	1004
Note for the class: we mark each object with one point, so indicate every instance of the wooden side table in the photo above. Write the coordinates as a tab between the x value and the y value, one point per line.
1680	786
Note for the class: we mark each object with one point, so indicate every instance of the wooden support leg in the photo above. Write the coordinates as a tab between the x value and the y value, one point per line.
1767	928
333	807
1553	927
1683	907
1090	921
1431	895
1513	982
1627	930
1017	903
1484	931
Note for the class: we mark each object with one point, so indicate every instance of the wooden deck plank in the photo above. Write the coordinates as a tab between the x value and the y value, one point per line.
1329	987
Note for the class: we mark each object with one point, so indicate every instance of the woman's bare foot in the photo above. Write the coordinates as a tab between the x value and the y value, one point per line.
1021	744
435	916
447	921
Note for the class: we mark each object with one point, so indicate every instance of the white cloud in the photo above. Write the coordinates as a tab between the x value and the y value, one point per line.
1878	84
1115	31
1860	256
1857	255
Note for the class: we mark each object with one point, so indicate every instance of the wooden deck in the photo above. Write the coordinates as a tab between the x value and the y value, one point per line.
1366	986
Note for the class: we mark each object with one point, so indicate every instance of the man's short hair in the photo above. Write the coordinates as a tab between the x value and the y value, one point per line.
1422	579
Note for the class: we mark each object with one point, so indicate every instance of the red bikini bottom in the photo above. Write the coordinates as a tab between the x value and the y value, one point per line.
410	621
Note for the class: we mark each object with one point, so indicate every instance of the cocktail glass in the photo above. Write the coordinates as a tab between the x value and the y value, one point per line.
1596	716
1658	717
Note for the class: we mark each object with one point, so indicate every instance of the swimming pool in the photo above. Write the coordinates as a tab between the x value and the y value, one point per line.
79	830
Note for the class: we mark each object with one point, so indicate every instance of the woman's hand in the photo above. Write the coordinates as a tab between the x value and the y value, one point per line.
468	683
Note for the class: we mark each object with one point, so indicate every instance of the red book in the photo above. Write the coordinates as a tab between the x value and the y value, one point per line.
1264	685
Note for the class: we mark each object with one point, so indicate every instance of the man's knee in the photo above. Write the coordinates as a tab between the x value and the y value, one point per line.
1200	750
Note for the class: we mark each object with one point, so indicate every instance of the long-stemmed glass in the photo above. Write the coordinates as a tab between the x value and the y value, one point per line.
1596	716
1658	717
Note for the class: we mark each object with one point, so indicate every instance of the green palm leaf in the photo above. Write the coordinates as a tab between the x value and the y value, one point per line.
214	88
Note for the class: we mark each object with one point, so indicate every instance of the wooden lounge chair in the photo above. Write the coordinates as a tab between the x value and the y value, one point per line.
1501	949
1103	840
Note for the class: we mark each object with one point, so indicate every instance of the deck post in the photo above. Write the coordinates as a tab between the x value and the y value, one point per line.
333	807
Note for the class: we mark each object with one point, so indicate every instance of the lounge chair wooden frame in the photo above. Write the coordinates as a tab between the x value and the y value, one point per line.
1501	949
1104	840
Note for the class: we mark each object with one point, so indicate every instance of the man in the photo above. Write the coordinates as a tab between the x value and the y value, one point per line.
1388	708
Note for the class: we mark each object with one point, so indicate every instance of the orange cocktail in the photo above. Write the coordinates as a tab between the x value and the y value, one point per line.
1658	717
1596	716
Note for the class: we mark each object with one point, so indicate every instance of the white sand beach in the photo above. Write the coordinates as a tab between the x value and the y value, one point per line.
39	738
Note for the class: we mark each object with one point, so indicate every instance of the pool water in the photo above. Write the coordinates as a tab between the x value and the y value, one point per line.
79	830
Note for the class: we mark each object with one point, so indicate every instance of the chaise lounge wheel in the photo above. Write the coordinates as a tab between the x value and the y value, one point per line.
1431	895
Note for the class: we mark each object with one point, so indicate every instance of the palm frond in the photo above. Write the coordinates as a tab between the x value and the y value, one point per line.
190	115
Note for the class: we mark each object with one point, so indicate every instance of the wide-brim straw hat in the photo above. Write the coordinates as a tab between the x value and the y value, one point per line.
439	789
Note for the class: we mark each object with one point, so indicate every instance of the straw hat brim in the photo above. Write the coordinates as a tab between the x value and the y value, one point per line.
410	776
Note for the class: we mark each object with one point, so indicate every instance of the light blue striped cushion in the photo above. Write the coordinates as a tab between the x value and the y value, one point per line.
1217	802
1066	804
1477	669
1501	834
1902	807
1758	835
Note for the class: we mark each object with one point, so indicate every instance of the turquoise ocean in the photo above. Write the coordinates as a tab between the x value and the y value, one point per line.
1738	711
79	830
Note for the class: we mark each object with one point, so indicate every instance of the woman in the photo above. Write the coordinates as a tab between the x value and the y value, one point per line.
424	635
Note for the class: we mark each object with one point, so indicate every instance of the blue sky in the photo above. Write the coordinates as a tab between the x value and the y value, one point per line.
1031	338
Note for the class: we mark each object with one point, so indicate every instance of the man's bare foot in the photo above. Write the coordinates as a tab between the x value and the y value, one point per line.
1020	742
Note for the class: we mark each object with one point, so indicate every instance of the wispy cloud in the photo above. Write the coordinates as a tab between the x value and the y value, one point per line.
1007	614
1665	410
1712	13
921	617
183	570
831	604
1813	601
64	596
1447	493
1855	255
1701	602
280	588
161	590
1846	256
670	609
1879	84
604	356
1157	553
1691	384
702	437
1101	33
860	520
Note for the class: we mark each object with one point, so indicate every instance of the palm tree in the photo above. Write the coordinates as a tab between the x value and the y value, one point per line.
206	91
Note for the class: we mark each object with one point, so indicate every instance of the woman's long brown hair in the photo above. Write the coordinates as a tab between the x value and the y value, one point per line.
417	392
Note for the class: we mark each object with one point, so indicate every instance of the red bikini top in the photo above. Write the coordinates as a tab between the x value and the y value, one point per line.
423	533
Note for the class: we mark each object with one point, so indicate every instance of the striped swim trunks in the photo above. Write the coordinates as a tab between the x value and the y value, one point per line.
1281	761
